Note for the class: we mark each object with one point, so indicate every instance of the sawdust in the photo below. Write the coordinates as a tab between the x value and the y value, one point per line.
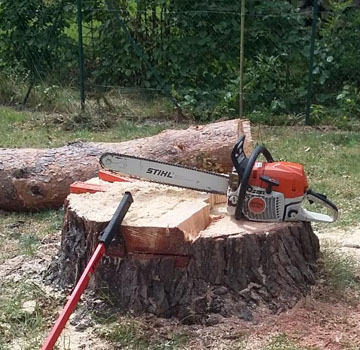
311	324
314	323
85	339
31	269
347	241
25	266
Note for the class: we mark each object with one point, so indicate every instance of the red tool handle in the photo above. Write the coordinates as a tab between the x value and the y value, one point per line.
105	241
74	298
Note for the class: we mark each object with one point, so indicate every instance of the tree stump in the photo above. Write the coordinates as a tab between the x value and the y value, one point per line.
178	254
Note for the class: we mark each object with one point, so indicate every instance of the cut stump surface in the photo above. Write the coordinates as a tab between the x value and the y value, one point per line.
179	254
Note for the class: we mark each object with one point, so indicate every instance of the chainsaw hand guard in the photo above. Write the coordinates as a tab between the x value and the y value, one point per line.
238	156
241	162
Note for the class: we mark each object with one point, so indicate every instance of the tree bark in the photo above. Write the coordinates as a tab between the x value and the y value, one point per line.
225	267
33	179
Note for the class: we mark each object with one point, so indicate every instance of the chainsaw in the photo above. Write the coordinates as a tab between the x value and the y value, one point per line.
259	191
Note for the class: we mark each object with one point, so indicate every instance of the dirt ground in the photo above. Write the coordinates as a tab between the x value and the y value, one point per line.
316	322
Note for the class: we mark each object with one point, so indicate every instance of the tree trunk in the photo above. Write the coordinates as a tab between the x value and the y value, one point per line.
32	179
165	263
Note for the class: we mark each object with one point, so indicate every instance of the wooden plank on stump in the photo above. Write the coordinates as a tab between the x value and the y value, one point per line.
110	176
79	187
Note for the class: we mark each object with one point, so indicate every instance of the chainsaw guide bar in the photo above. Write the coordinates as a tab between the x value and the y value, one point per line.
165	173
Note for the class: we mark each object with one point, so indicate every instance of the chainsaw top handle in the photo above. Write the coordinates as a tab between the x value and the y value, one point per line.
243	166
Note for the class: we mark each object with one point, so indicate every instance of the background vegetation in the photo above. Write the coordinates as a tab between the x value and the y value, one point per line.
190	48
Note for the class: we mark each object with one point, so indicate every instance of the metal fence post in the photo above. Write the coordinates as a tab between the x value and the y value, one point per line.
311	63
81	54
241	87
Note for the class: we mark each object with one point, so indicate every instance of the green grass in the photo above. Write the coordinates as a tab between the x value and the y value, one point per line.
24	129
19	323
339	275
130	333
21	233
239	344
283	342
331	160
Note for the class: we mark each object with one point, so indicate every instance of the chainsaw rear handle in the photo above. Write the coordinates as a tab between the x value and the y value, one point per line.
314	197
244	167
113	227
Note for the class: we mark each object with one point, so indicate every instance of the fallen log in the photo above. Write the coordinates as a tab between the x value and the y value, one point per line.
32	179
178	254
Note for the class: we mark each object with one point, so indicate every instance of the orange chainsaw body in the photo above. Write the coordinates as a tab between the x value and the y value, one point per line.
291	177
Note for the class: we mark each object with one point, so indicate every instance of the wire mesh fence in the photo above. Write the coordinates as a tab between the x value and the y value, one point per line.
185	52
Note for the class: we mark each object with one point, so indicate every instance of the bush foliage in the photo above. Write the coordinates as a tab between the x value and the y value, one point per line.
194	48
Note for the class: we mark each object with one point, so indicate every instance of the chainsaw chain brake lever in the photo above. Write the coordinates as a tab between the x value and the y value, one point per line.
239	159
314	197
238	156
